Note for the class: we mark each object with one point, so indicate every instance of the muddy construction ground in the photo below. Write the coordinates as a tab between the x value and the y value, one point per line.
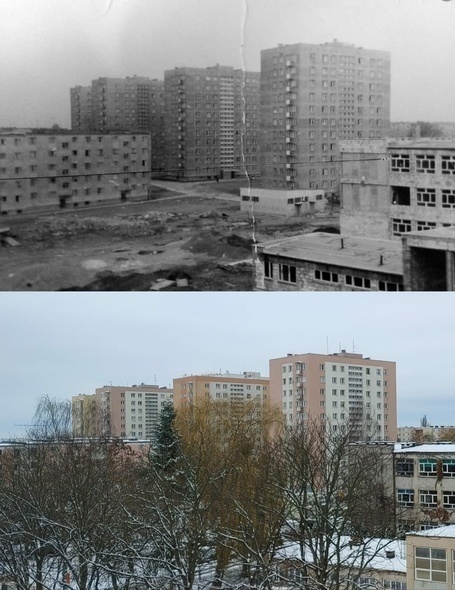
189	234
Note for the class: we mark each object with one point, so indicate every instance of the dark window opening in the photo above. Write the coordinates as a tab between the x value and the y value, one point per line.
401	195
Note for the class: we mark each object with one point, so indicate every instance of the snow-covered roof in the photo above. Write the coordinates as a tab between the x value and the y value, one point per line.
373	552
441	531
428	449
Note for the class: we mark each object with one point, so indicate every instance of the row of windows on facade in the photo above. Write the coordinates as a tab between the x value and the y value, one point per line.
75	139
403	226
340	380
428	467
341	72
301	393
287	273
352	370
291	59
423	197
296	185
424	163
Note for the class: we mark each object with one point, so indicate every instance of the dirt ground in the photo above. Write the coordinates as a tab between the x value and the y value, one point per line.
190	232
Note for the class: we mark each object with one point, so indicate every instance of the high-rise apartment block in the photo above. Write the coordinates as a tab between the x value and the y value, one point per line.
116	105
227	387
311	97
47	171
118	410
211	122
342	388
84	415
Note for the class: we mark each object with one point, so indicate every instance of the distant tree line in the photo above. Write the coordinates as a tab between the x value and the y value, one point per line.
222	495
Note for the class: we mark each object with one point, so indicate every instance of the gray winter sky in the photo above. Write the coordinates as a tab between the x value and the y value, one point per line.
48	46
64	344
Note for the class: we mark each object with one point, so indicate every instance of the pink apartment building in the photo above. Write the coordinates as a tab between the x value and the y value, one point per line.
340	387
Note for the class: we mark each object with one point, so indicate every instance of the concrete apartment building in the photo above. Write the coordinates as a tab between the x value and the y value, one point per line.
51	171
84	416
232	387
420	434
392	187
119	410
425	485
341	387
117	105
397	223
211	122
311	97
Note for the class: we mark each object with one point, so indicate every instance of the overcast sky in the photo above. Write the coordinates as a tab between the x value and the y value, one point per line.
65	344
48	46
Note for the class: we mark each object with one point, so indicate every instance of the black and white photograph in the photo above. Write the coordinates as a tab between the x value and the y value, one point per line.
207	145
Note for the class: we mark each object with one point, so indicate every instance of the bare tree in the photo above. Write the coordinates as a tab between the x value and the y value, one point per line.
330	489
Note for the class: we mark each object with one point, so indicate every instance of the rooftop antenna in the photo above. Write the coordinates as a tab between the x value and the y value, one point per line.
327	341
353	346
154	377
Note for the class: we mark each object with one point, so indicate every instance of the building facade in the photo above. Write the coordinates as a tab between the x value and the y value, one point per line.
311	97
425	485
421	434
211	122
51	171
393	187
430	559
122	411
342	388
227	387
84	416
122	105
281	202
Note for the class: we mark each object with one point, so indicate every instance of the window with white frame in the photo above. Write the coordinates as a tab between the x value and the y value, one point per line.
448	499
428	498
430	564
428	467
405	497
395	585
448	467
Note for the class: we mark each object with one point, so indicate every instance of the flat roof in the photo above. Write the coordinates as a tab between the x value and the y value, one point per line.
441	143
441	233
441	531
339	250
429	449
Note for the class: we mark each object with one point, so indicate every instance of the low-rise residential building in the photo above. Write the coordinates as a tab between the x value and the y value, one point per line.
425	485
328	262
421	434
47	171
